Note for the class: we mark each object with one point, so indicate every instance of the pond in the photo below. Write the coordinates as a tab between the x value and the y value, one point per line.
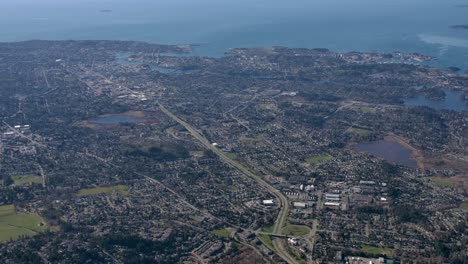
452	101
391	151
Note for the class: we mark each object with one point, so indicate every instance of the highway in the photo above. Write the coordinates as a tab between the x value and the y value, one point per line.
29	138
284	205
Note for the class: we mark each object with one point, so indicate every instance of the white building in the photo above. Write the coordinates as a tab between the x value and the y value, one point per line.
299	205
268	202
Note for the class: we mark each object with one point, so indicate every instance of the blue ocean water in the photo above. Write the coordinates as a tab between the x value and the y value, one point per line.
360	25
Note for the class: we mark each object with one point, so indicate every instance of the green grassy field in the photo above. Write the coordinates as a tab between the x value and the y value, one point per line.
200	153
267	229
231	155
266	239
6	209
464	206
442	182
253	140
377	250
296	230
268	106
222	232
20	180
14	225
121	189
366	109
318	159
359	131
231	95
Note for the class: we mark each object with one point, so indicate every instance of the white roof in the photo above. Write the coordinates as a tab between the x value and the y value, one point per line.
299	204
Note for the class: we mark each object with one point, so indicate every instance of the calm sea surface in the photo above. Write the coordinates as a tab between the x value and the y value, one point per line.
363	25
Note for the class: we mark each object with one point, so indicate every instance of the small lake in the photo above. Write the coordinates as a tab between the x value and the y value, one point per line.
391	151
117	119
452	101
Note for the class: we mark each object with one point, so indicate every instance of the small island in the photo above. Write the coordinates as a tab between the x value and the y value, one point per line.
465	26
454	69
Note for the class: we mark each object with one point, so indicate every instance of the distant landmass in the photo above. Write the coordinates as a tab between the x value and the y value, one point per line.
460	26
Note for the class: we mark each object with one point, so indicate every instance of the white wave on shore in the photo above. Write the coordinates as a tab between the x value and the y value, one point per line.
444	41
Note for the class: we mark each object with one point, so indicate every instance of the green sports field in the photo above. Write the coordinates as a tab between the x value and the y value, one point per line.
318	159
20	180
15	225
122	189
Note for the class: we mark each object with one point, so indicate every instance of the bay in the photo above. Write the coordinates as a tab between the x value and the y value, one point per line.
360	25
